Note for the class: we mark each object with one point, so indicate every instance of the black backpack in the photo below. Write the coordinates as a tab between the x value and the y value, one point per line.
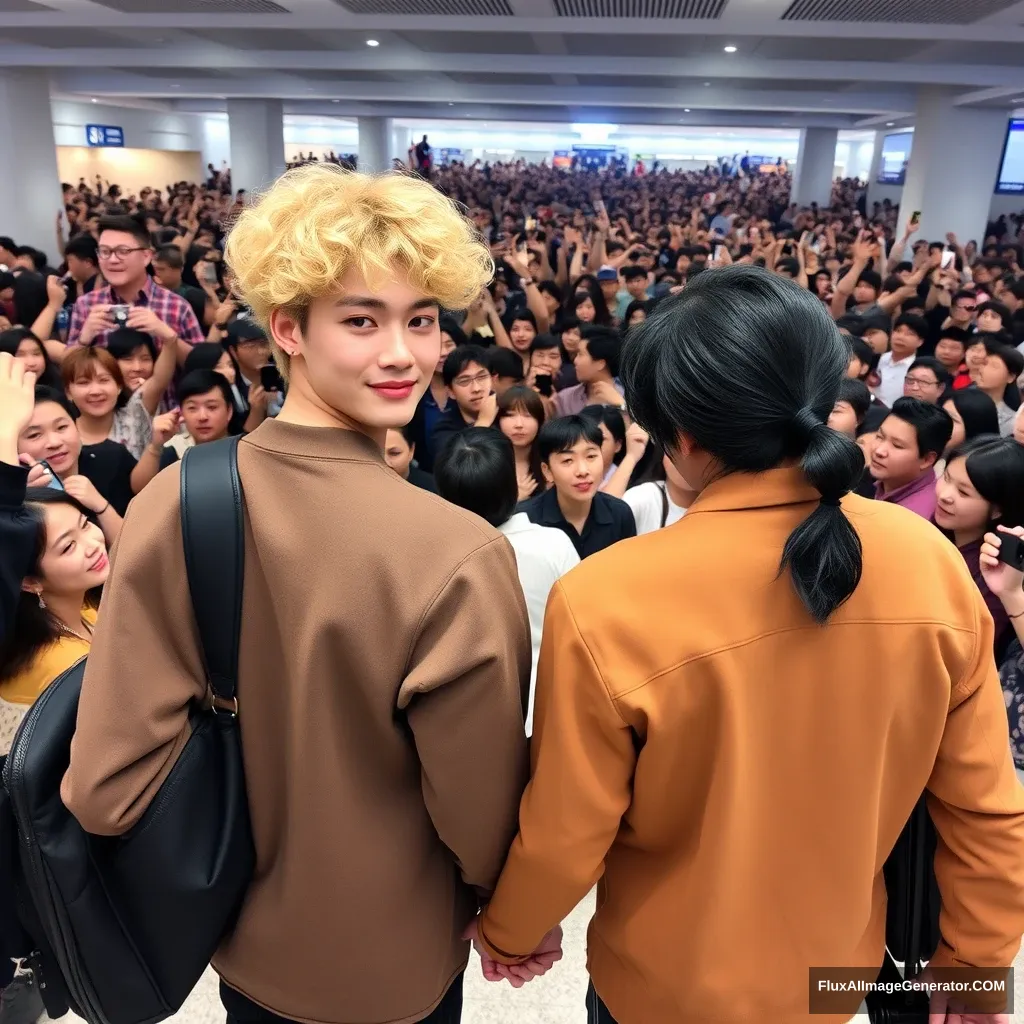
122	928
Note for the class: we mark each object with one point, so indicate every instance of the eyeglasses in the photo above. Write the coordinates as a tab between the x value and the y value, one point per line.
121	252
920	382
465	382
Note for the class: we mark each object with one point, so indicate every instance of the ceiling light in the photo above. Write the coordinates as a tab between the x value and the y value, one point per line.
889	124
686	110
451	104
372	42
335	101
730	49
707	85
95	100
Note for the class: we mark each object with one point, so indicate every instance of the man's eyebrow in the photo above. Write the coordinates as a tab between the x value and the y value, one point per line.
367	302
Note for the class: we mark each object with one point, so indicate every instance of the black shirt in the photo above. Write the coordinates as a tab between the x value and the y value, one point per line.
610	520
425	481
108	467
451	423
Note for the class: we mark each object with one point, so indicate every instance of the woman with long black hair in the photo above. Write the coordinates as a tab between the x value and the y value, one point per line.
731	750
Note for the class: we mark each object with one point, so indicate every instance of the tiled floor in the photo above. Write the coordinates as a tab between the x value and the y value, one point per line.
557	998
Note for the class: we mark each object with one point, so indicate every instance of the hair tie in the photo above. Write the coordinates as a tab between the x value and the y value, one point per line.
832	502
803	426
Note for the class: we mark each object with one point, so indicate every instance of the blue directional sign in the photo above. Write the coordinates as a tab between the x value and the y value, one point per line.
104	135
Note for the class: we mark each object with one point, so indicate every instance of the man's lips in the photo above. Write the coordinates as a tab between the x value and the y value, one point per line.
394	388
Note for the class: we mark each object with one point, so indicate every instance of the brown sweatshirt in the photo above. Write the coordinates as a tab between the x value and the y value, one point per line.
736	775
385	656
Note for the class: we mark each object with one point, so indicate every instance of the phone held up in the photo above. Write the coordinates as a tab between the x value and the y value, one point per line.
545	384
54	482
119	314
1011	550
270	378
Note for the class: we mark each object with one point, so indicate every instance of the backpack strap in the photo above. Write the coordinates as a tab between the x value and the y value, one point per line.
212	507
663	487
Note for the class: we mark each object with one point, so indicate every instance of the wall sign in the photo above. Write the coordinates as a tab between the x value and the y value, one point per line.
104	135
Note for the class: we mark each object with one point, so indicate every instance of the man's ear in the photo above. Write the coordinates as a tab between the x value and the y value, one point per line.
286	332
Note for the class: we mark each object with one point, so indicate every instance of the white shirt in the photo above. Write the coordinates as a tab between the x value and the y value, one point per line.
648	504
543	555
892	372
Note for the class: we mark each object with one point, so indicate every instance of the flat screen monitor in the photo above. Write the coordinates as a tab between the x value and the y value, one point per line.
895	157
1011	168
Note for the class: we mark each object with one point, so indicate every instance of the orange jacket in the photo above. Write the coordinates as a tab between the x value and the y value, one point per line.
735	775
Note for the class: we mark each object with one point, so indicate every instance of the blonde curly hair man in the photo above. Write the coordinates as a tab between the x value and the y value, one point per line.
385	646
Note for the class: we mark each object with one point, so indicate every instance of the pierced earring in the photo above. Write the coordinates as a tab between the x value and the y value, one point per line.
42	603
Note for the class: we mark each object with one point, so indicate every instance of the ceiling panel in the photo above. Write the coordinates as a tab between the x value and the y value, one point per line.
176	74
633	81
1010	54
639	8
498	78
61	38
919	12
194	6
23	7
778	48
325	76
430	8
263	39
470	42
592	45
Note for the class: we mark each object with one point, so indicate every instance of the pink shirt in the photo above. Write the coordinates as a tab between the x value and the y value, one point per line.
918	495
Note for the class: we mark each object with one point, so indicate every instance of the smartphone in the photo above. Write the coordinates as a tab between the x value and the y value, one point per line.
210	273
544	384
915	217
119	314
719	250
270	378
530	224
55	483
948	256
1011	550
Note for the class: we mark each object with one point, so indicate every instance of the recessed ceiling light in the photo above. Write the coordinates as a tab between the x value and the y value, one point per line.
451	104
707	84
335	101
95	100
372	42
889	124
686	110
730	49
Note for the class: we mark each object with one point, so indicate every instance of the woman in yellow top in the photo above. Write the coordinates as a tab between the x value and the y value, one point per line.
57	609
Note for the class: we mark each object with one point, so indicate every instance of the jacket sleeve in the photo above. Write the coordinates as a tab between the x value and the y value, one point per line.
17	530
464	696
977	806
582	784
143	672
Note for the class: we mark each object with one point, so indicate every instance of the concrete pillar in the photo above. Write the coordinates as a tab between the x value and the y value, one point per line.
953	166
399	138
257	142
862	155
815	166
28	161
374	144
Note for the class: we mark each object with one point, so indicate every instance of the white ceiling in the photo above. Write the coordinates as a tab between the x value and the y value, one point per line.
841	63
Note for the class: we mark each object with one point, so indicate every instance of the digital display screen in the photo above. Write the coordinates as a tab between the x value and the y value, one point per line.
1011	169
895	157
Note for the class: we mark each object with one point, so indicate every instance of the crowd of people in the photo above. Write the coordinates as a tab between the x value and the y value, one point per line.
577	358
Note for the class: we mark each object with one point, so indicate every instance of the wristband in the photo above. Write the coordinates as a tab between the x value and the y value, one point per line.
104	509
1017	616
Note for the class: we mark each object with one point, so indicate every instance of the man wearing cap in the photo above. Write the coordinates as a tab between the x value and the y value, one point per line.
608	281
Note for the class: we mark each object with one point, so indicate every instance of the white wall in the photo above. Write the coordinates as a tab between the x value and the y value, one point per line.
143	128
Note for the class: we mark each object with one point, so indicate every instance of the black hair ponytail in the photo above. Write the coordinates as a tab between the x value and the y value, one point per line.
823	554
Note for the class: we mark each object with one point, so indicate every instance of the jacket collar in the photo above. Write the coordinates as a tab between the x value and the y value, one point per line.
783	486
552	515
334	443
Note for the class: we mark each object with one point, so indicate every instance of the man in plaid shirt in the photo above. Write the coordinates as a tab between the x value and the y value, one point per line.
125	251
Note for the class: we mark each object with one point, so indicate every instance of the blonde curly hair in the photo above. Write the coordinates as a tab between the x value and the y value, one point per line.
315	223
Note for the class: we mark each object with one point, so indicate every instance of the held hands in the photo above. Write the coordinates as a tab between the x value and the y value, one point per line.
543	958
1003	580
81	488
142	318
165	427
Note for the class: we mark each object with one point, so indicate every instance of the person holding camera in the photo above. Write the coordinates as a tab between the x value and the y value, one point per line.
131	298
